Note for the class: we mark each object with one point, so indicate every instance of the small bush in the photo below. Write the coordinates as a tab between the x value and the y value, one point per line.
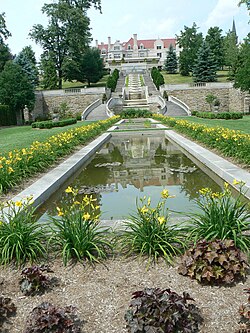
49	123
221	217
48	318
244	311
214	262
34	281
21	238
148	232
219	115
7	116
76	233
156	310
135	113
7	309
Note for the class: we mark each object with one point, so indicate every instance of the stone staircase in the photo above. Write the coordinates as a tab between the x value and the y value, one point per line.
99	113
174	110
136	94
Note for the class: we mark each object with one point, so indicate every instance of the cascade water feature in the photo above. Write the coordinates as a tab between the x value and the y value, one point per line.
135	96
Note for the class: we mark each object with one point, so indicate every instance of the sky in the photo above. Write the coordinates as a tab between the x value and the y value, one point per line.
120	19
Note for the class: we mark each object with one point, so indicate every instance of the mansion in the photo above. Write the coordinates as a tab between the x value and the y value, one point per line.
137	50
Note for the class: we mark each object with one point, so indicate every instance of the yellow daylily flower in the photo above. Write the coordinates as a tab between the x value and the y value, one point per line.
18	203
161	219
69	189
86	216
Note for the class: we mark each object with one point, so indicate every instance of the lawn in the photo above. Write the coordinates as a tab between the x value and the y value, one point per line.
76	84
239	124
23	136
178	79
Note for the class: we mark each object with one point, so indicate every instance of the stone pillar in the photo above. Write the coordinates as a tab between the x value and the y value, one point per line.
135	47
26	114
96	43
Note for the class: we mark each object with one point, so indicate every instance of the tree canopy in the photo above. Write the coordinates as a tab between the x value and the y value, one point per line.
190	41
214	39
4	32
242	75
170	64
231	52
67	33
16	90
205	66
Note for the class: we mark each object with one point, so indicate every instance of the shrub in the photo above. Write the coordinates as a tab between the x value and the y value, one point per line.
50	123
7	117
112	80
219	115
221	217
135	113
21	239
244	311
148	232
156	310
50	318
76	234
157	77
34	281
214	262
7	309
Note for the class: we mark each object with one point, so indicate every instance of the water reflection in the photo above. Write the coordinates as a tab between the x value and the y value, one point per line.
128	167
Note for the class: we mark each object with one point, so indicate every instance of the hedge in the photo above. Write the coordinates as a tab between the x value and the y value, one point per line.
7	117
50	123
219	115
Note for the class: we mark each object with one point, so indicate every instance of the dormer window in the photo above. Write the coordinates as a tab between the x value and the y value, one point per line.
141	46
129	47
158	47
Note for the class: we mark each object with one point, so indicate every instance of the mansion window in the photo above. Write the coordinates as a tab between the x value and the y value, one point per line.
141	46
158	47
159	55
129	47
103	51
116	48
142	54
117	56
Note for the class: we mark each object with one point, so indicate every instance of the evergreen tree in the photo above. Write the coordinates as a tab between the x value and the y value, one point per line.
231	52
214	39
5	55
190	41
242	76
4	33
48	71
170	64
16	91
205	66
26	59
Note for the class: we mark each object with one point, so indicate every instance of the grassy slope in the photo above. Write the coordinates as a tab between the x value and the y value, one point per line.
239	124
101	83
178	79
23	136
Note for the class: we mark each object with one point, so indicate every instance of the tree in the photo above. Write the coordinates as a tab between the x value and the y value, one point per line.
205	66
231	52
210	99
26	59
190	41
16	90
242	75
48	70
89	67
5	55
67	34
214	39
170	64
246	2
4	33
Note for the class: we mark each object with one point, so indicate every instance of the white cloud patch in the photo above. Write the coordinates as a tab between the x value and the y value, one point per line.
223	10
124	20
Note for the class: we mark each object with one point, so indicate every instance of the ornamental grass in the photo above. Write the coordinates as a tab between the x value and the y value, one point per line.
76	233
229	142
20	164
148	232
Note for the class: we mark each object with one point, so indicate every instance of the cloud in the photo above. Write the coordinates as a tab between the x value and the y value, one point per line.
124	20
223	10
153	28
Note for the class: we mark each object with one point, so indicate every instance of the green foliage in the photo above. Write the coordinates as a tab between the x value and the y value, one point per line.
21	239
16	90
26	59
34	281
5	55
112	80
218	261
47	317
7	117
231	52
214	39
221	217
135	113
7	309
242	75
170	64
67	35
162	310
50	123
76	234
219	115
190	41
4	33
244	310
148	232
210	99
205	66
157	77
49	78
87	67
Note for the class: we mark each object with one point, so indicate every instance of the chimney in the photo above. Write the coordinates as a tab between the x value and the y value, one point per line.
135	42
96	43
109	43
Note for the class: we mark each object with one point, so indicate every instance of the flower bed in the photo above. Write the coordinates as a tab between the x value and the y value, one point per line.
229	142
23	163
